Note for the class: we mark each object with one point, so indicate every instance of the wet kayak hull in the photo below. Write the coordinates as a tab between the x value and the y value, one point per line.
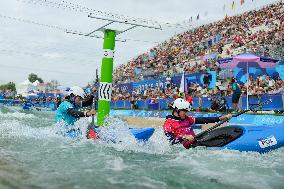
258	139
245	138
140	134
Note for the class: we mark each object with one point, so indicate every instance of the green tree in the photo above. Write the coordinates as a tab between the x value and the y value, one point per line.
52	85
55	84
9	86
40	80
33	77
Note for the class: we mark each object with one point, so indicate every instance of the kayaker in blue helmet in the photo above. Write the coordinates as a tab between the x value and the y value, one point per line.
68	111
27	105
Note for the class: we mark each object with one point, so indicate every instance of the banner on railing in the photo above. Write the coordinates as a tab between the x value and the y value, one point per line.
127	87
208	78
162	104
204	79
147	84
241	73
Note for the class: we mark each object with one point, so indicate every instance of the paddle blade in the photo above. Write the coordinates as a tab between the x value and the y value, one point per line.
92	134
218	137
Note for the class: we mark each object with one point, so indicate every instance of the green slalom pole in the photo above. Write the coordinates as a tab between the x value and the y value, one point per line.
106	77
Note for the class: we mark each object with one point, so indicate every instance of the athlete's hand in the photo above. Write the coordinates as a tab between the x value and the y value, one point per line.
94	90
188	140
226	117
188	137
92	112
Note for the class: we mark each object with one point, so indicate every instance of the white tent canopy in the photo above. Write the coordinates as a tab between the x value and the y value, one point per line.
24	87
26	82
63	89
36	83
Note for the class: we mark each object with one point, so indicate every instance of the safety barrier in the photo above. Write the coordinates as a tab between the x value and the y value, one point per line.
205	102
243	119
41	104
162	104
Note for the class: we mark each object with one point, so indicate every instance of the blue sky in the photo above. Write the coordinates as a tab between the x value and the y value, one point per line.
71	59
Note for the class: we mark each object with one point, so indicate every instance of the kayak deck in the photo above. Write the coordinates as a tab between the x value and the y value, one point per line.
259	138
244	138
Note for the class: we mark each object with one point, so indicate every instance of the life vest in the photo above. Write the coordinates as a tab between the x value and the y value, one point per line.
62	115
175	128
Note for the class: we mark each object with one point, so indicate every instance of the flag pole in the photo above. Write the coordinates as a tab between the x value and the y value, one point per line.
247	86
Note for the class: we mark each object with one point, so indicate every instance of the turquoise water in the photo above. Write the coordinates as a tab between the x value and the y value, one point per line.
32	155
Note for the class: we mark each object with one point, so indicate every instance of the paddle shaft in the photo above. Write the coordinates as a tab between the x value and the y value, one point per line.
223	121
93	106
38	109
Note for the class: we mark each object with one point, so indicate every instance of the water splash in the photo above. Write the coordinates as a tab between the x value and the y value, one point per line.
232	168
117	135
116	164
18	115
15	129
35	147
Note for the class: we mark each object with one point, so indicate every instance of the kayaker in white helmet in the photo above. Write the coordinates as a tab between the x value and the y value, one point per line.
178	126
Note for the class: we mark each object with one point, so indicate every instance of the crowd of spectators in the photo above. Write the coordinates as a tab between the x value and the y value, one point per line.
264	85
261	85
36	100
7	94
258	31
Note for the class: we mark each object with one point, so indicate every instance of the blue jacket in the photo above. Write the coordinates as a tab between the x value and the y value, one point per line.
62	115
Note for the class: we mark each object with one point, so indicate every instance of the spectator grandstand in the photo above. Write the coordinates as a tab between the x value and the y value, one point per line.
258	31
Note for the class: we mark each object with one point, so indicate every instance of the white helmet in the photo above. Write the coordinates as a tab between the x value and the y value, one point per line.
77	91
181	104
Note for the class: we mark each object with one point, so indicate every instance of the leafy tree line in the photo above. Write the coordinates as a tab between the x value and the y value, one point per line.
52	85
9	86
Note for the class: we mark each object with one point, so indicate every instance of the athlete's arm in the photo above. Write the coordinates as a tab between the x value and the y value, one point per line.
76	113
204	120
88	101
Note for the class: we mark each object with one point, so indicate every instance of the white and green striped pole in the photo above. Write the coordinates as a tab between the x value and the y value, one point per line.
106	76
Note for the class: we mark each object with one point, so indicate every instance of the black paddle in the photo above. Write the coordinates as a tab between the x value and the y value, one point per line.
38	109
33	106
236	115
92	125
93	117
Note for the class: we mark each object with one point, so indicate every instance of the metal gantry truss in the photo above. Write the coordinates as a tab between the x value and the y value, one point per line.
132	23
66	5
106	16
